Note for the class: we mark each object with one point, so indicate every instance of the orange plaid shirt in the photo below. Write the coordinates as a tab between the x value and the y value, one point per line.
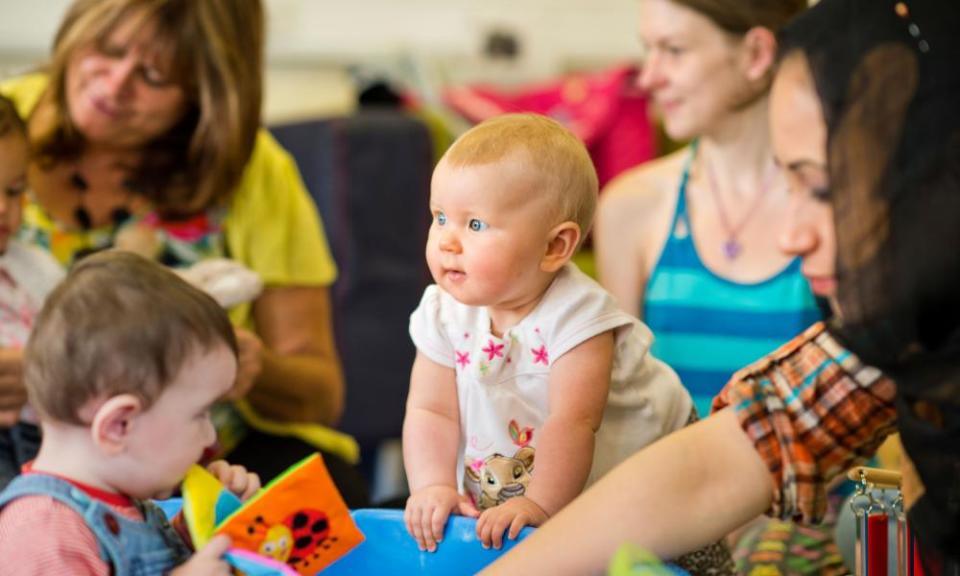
812	409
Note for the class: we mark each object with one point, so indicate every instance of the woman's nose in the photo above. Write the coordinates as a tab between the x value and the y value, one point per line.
120	77
798	236
650	77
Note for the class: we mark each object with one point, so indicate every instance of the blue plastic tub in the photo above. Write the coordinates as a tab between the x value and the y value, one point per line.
389	549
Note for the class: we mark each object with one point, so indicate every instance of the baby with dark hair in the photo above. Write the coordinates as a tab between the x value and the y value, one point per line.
123	366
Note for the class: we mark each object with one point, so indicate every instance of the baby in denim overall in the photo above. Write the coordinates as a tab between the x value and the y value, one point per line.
122	367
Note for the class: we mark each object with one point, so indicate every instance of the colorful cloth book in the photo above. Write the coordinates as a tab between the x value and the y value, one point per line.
297	524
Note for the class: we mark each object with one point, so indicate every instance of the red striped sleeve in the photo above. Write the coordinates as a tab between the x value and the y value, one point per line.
40	536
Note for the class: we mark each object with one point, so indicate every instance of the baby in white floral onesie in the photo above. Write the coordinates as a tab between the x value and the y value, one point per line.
529	382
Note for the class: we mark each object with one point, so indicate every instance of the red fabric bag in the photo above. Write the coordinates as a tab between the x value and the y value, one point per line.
605	109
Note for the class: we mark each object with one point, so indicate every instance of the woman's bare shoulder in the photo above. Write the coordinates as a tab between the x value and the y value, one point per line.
644	191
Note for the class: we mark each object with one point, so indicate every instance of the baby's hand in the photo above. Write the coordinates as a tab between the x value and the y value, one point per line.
235	478
427	512
514	514
208	560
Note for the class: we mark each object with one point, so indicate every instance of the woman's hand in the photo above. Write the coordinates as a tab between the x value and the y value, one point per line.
13	395
249	363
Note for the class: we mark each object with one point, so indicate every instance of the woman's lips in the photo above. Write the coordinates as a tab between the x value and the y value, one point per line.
105	108
823	285
668	106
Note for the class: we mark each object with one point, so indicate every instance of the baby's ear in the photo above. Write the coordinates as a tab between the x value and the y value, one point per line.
561	246
113	422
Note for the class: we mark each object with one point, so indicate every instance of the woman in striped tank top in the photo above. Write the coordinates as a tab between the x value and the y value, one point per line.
690	242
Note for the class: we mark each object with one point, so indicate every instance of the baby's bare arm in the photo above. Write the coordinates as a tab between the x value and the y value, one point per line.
579	384
431	437
431	427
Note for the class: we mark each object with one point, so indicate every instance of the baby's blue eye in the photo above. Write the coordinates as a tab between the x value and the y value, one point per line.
441	218
477	225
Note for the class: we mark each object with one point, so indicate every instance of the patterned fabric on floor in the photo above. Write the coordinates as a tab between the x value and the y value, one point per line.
781	548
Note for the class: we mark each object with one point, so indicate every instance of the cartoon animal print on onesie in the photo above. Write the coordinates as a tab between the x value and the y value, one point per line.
498	478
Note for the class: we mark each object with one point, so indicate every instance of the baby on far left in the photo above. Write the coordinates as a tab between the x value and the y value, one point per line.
27	275
123	366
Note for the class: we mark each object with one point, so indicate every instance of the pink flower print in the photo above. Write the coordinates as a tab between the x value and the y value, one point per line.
540	355
493	350
463	358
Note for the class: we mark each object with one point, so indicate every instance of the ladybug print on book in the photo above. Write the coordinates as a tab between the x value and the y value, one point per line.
298	540
310	530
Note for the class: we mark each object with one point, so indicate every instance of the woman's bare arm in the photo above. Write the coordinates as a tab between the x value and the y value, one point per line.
301	378
677	495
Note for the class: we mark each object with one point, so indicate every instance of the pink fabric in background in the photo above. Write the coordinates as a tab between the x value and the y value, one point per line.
605	109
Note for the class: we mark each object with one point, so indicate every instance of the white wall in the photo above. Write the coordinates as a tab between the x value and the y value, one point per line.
427	42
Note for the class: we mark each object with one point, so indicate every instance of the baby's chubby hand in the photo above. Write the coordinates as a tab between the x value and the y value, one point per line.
427	512
208	561
514	514
235	478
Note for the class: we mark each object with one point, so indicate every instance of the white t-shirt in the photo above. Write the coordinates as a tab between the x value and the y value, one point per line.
502	383
27	276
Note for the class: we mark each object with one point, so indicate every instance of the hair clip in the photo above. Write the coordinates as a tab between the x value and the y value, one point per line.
903	11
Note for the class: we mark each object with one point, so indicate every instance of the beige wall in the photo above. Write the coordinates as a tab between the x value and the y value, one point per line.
422	43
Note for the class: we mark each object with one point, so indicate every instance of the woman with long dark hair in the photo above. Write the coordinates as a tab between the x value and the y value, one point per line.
866	122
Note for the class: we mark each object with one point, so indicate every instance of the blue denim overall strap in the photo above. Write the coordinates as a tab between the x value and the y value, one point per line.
133	548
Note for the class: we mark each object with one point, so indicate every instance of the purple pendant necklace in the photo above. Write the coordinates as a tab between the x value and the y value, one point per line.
732	248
